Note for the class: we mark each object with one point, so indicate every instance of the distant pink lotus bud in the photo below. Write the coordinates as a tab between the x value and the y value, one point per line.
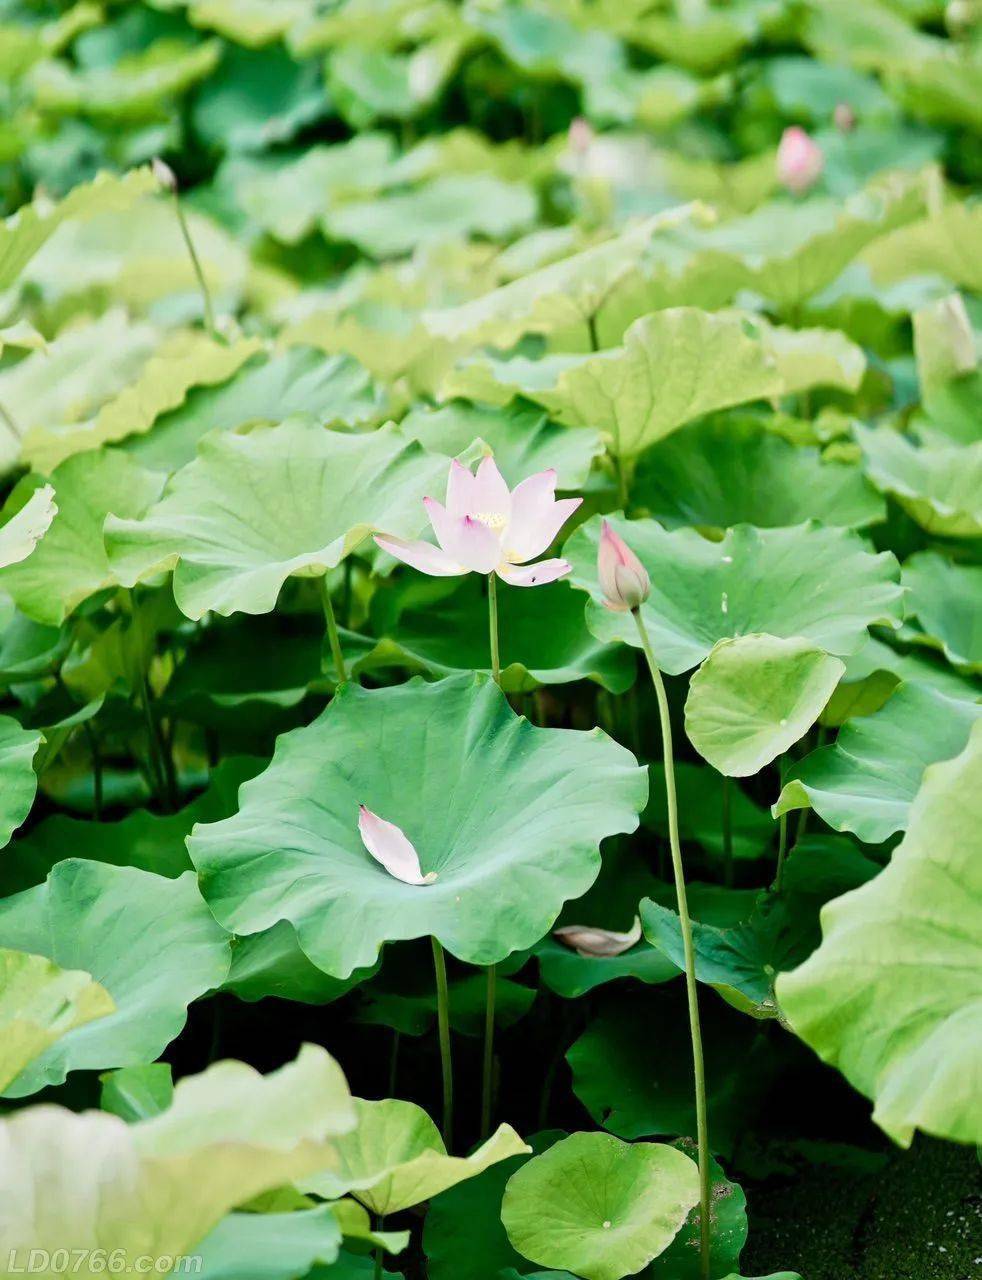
844	117
588	941
164	174
485	527
390	846
799	161
623	578
581	135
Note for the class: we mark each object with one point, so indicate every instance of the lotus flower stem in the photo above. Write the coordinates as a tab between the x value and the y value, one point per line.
691	990
206	302
782	848
96	755
493	627
331	623
443	1027
728	831
487	1073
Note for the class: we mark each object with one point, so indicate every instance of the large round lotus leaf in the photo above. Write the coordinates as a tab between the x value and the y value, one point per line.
701	811
39	1003
946	600
149	941
938	485
396	1158
521	437
253	509
893	996
70	563
733	470
542	634
269	1246
509	816
865	781
166	1181
809	581
597	1206
18	781
754	697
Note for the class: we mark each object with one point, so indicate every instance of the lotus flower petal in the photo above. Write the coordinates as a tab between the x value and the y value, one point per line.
460	490
464	538
490	494
536	516
585	940
533	575
623	578
422	556
799	160
389	845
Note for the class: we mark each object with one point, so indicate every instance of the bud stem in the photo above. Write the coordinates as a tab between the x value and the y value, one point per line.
691	990
493	627
331	623
196	264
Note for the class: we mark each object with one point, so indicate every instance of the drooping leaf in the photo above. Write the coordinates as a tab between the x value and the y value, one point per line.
272	964
572	975
892	997
166	1181
808	581
754	697
149	941
18	781
938	485
39	1003
867	779
728	471
940	244
598	1206
269	1246
478	791
396	1158
946	600
137	1093
254	509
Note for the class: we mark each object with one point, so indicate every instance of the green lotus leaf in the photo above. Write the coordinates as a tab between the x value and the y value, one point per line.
356	1224
638	1089
728	1229
396	1158
948	368
892	997
135	89
807	581
423	758
299	381
272	964
451	207
254	509
39	1003
136	1093
70	562
521	438
55	392
701	40
149	941
945	599
814	358
23	234
572	975
598	1206
938	485
727	471
655	98
22	334
941	244
168	1180
701	803
403	998
184	360
754	697
463	1236
742	961
18	748
269	1246
867	779
543	638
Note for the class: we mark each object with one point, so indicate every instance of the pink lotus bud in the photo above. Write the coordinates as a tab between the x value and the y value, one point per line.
844	117
164	174
799	161
580	135
623	578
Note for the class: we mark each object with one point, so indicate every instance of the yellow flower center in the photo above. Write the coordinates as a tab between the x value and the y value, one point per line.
492	520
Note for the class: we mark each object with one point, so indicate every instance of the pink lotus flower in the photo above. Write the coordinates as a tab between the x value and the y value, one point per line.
390	846
484	528
623	578
591	942
799	160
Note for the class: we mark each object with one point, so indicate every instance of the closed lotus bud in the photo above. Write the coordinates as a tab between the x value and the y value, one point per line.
799	161
844	117
623	578
580	135
164	174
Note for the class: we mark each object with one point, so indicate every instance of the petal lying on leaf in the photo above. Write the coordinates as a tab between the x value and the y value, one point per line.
534	575
586	940
422	556
389	845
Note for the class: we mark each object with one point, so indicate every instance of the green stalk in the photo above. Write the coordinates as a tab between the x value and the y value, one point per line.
331	623
198	272
695	1031
443	1026
782	848
96	755
727	832
487	1073
493	627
